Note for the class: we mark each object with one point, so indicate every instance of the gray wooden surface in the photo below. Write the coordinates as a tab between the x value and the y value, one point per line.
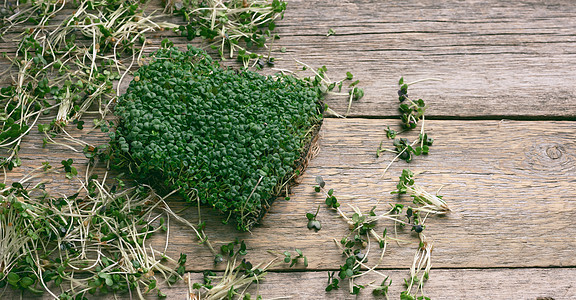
504	153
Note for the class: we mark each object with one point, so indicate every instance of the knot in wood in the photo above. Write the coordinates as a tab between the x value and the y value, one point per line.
554	152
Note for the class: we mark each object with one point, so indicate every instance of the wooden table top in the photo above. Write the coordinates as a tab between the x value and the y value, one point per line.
503	119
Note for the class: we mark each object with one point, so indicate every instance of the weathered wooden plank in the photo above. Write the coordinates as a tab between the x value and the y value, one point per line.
536	284
495	58
443	284
510	185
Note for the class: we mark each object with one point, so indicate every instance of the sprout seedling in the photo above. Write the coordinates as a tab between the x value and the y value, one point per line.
427	202
231	27
288	258
238	276
355	246
312	222
412	112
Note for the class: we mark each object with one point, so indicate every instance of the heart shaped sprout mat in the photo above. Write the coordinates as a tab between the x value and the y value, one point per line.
230	139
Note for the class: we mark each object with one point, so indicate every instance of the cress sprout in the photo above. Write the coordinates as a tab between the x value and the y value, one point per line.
229	139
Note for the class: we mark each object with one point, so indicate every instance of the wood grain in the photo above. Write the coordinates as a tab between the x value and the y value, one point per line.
510	199
528	284
510	185
497	59
443	284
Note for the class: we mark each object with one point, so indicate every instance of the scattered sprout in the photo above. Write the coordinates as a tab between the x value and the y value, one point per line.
232	27
293	260
427	202
312	222
45	240
412	112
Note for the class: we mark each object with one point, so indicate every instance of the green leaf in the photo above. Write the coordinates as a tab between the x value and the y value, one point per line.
349	272
405	296
314	224
151	285
13	278
25	282
320	181
425	149
417	151
136	264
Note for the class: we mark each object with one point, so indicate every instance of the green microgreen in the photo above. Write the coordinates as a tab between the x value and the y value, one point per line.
355	94
426	202
327	85
412	112
382	289
232	27
333	282
356	289
69	169
312	222
293	260
228	139
331	200
391	134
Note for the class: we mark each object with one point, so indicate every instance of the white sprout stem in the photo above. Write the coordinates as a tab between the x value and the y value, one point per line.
314	71
418	191
395	158
250	196
128	69
334	113
184	221
39	268
422	260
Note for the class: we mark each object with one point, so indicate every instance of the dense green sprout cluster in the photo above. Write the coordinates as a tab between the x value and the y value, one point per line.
228	138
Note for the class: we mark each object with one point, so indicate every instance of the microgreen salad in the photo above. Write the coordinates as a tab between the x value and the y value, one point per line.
228	138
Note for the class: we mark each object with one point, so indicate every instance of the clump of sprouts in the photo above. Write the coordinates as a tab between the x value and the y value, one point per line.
427	202
92	242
